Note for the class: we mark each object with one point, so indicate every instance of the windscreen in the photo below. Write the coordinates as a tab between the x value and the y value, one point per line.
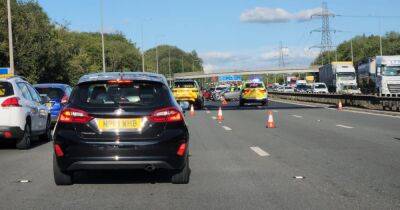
52	93
301	87
254	85
6	89
141	94
391	71
346	76
182	84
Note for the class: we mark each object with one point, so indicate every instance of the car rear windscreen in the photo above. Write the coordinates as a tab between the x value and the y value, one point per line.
141	94
184	85
254	85
6	89
52	93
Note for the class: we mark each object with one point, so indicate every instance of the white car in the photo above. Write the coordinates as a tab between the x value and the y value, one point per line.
319	87
288	89
23	113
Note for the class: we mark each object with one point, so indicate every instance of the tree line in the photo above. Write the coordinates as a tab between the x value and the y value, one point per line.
50	52
364	47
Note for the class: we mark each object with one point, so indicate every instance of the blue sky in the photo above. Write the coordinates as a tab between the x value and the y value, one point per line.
228	34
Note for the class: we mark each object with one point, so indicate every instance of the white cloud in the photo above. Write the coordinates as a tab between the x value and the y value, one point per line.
265	15
305	15
275	15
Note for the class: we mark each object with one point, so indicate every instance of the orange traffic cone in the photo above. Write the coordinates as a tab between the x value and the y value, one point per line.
224	102
270	123
340	106
192	113
220	117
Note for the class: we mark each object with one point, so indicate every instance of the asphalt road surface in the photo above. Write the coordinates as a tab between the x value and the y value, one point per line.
316	158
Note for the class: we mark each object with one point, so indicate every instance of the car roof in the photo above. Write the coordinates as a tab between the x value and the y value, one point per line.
145	76
13	78
50	85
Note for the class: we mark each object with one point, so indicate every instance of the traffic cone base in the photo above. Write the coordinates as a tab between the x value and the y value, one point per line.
270	122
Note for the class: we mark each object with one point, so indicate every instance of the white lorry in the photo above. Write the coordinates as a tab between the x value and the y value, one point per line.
338	75
380	75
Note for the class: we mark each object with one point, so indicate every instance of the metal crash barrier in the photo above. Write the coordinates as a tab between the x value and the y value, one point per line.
390	103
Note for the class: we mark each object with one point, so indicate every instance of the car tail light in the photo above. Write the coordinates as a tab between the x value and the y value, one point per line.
11	102
169	114
120	82
58	151
69	115
181	149
245	91
7	134
64	99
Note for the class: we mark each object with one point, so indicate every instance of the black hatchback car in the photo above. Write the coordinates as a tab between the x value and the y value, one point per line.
121	121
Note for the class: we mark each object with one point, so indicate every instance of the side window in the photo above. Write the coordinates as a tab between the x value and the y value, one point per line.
24	91
34	94
69	90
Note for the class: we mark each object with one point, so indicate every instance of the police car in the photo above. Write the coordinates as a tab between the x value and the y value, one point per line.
253	91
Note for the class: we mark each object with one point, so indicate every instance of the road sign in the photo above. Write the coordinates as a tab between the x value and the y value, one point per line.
5	72
230	78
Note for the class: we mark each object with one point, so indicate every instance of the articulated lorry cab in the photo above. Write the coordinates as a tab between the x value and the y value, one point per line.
338	75
380	75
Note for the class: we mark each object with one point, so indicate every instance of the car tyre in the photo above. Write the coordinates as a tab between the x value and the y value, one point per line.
183	176
60	177
47	135
25	141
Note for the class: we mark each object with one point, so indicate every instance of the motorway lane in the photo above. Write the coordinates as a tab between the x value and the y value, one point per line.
345	168
357	167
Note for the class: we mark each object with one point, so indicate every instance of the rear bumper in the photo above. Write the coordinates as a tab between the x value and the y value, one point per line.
167	163
254	100
189	99
16	132
136	154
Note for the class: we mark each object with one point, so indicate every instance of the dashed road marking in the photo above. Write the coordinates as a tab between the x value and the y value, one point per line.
227	128
297	116
275	111
208	112
344	126
259	151
214	117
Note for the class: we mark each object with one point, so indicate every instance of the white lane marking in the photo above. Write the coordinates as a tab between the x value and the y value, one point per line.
208	112
227	128
335	109
214	117
363	112
344	126
294	103
297	116
275	111
259	151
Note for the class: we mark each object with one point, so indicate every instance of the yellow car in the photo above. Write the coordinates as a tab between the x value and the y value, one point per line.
253	92
188	91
